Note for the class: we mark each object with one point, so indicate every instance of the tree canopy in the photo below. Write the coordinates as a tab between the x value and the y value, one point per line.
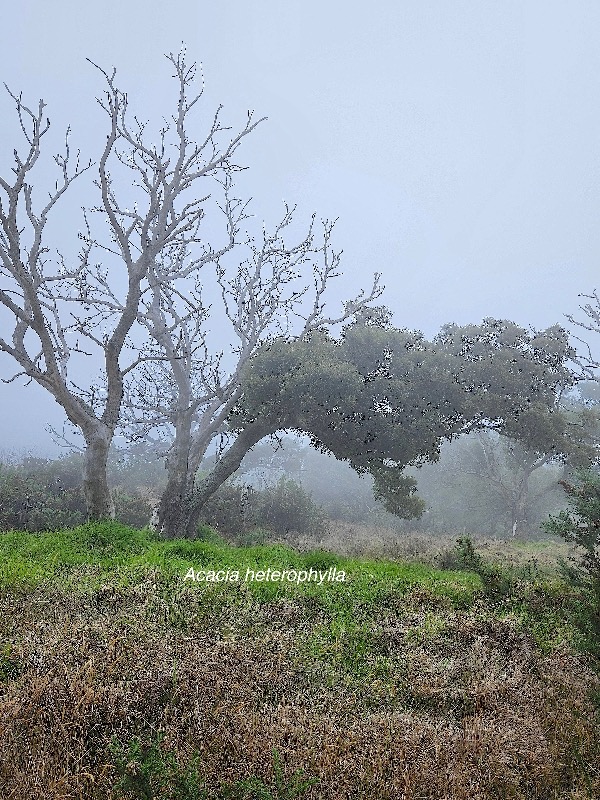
382	398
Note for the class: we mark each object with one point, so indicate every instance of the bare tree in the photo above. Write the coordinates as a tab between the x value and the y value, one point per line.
59	309
518	477
265	292
587	363
508	467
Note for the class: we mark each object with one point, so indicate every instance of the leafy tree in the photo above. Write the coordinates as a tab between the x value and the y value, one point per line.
381	398
187	398
488	483
546	430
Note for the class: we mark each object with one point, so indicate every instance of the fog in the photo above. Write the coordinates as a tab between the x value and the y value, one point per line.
456	142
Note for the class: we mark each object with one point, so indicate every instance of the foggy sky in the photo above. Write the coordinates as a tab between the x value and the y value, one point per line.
457	142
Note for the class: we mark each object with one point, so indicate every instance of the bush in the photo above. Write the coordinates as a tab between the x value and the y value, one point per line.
230	510
239	510
288	507
27	504
580	525
41	495
465	556
131	508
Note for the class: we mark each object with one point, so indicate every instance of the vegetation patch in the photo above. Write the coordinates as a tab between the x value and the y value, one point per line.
127	681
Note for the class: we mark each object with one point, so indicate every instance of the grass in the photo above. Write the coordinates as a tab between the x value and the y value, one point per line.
120	679
85	558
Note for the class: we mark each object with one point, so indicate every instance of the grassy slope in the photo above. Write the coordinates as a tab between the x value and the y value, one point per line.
122	679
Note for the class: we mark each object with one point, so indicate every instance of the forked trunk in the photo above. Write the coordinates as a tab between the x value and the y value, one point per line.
224	468
173	509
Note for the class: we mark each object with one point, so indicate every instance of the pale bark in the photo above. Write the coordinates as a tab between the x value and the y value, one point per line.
258	301
173	506
181	503
519	509
35	293
228	463
98	498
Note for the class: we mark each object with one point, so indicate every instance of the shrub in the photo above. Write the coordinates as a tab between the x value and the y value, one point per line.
27	504
232	509
131	508
40	495
288	507
580	525
465	556
239	510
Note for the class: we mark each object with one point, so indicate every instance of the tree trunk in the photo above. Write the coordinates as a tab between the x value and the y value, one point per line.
174	502
99	501
225	467
519	513
174	509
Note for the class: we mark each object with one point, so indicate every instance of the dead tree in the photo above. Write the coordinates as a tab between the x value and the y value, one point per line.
60	309
587	362
270	289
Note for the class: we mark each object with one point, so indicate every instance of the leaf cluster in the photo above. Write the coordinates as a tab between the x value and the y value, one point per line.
580	525
383	398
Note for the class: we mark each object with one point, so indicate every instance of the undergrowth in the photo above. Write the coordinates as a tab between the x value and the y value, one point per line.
120	679
146	771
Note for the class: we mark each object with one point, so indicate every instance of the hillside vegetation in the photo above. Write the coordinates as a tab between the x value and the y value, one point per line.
123	679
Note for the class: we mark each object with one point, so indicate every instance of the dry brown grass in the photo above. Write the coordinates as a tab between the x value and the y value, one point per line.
466	709
359	539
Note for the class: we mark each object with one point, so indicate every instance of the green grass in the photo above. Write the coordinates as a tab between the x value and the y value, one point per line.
98	557
92	555
107	612
145	771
